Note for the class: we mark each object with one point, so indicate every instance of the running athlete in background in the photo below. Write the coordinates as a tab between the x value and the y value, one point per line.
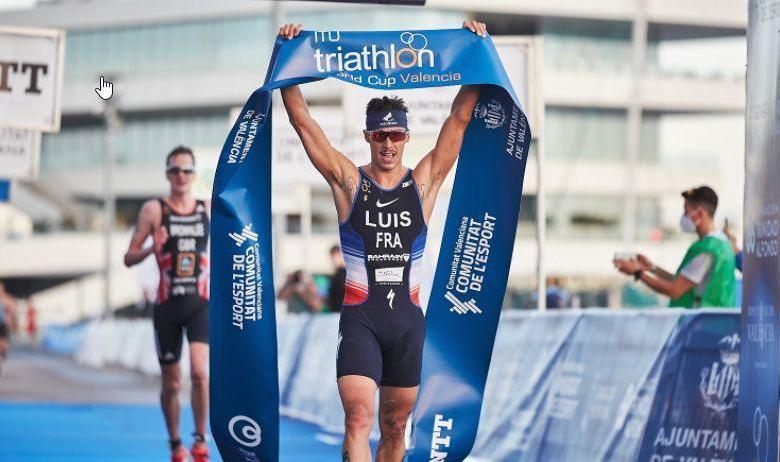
8	321
383	210
179	226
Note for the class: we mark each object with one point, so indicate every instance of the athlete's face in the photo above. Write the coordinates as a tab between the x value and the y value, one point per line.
181	173
386	153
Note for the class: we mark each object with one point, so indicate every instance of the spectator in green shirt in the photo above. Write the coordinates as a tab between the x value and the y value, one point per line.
705	277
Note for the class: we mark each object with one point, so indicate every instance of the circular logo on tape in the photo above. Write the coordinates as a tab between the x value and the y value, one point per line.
249	431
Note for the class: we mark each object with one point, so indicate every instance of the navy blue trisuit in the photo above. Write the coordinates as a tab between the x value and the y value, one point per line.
382	326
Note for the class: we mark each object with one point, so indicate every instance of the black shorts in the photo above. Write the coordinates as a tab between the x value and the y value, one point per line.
171	318
391	356
4	331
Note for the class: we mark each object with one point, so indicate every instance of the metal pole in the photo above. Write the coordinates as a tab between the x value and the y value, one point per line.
541	206
639	41
111	118
278	15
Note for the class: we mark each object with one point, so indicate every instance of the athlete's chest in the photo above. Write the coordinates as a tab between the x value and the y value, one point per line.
388	219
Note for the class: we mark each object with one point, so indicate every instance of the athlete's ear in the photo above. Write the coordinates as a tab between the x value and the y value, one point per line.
366	136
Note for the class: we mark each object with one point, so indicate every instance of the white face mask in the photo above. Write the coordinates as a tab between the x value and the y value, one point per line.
687	225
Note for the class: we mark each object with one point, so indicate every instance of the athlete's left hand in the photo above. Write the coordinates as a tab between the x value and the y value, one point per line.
479	28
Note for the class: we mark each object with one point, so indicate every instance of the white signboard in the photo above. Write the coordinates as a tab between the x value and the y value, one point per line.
19	153
290	163
31	70
428	107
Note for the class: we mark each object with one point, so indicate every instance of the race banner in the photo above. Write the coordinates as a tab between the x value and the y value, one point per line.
695	407
471	275
758	411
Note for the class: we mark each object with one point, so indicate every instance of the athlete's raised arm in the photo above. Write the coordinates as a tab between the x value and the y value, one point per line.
433	168
340	172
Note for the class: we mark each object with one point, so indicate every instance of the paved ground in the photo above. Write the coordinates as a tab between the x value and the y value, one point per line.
54	410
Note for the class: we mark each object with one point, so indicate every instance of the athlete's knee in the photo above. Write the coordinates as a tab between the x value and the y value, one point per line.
199	376
393	423
171	384
358	418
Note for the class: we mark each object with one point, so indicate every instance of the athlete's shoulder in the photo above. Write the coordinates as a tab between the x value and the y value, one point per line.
151	210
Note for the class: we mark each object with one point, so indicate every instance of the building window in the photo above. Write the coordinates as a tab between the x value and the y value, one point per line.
324	219
577	133
292	223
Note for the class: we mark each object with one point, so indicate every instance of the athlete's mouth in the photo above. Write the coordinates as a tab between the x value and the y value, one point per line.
387	154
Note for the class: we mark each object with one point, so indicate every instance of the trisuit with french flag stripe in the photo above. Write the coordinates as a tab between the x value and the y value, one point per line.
382	326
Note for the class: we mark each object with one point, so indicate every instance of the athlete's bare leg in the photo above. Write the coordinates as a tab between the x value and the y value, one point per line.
395	406
169	398
357	397
199	360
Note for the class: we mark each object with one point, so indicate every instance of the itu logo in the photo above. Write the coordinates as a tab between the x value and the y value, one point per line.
413	52
245	235
249	434
719	385
460	307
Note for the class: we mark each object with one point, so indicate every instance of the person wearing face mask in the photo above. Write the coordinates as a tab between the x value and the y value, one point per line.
705	277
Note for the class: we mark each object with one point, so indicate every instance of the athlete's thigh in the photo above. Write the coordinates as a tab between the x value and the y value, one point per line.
357	391
402	360
199	358
359	352
168	333
197	323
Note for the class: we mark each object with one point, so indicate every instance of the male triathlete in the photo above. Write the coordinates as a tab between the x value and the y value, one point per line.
383	208
7	321
179	226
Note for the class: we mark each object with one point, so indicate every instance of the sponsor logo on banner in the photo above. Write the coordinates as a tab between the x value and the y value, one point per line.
440	441
470	259
492	113
566	391
462	307
246	234
244	138
249	433
760	324
761	435
389	274
410	52
762	236
246	278
719	385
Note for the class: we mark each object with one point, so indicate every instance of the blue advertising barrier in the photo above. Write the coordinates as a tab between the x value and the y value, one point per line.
585	386
758	412
569	386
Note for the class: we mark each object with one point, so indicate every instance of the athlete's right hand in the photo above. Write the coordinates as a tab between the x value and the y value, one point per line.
160	237
289	31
